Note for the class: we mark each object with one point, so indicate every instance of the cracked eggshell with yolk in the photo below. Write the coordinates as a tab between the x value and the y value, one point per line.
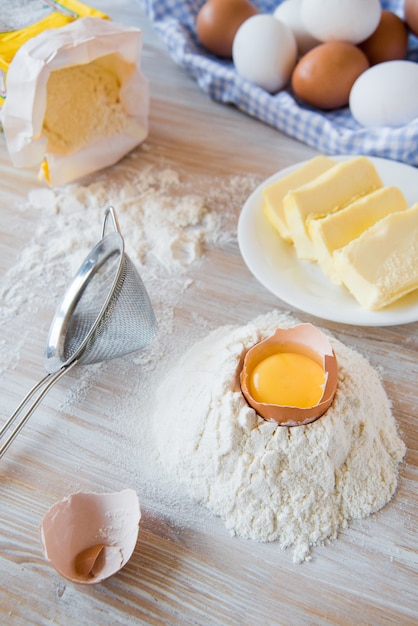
304	339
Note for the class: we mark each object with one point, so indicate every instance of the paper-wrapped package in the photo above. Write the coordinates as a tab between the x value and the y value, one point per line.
77	100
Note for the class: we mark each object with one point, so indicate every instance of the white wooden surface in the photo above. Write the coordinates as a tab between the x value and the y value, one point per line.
186	569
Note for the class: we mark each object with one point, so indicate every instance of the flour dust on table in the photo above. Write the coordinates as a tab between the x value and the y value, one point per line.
297	486
171	222
167	221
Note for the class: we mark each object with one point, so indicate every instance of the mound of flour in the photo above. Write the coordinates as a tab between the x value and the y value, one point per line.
296	486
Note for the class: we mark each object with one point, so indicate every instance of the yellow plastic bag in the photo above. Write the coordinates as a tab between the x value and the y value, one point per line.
20	21
76	99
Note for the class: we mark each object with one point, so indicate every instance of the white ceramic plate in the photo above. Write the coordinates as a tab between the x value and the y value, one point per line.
302	284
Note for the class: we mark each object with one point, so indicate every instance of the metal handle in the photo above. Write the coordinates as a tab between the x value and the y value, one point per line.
41	388
110	211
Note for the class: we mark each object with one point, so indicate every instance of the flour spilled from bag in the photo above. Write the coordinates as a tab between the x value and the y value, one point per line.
296	486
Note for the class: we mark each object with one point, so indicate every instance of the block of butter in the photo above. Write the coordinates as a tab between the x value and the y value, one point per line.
328	193
338	229
274	193
381	265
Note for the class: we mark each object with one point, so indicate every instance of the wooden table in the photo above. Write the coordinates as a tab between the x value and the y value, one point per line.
186	569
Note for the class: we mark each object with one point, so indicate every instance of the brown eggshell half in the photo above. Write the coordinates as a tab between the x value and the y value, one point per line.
88	537
301	339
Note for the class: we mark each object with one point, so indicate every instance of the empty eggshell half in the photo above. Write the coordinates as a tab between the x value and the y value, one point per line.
303	339
87	537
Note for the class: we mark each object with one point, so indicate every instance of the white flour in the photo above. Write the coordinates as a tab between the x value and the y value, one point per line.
297	486
167	223
170	220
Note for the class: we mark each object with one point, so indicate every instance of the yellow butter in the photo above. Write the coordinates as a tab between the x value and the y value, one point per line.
337	229
328	193
274	193
381	265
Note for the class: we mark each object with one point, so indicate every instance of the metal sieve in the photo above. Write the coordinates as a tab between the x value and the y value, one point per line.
105	313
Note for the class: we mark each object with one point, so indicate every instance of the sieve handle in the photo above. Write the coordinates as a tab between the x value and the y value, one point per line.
33	398
110	211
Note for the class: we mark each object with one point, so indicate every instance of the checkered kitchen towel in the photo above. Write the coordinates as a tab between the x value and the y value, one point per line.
334	132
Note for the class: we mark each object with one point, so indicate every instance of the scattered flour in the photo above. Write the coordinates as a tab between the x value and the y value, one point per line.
297	486
170	220
167	223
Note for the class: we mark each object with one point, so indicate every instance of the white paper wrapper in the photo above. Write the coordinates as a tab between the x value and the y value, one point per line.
81	42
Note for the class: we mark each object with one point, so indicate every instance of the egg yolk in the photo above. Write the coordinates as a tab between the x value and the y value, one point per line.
287	379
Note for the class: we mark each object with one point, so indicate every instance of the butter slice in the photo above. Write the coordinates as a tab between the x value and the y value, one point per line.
338	229
328	193
274	193
381	265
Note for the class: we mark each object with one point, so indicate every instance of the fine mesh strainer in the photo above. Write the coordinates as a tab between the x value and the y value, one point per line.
105	313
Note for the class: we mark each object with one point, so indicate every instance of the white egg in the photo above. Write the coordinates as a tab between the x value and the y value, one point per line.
264	52
386	94
288	12
341	20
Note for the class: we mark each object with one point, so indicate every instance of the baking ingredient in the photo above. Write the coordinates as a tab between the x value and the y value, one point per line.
411	15
218	21
324	76
341	20
297	486
339	186
338	229
303	340
95	104
386	95
169	219
274	193
21	21
264	52
388	42
288	12
288	379
88	537
103	59
381	265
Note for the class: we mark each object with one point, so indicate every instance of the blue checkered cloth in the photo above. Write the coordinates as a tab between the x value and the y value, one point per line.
334	132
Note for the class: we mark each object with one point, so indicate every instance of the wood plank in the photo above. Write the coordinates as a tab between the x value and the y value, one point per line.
93	432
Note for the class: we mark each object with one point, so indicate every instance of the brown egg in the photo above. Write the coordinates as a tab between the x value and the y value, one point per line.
324	76
219	20
389	42
411	15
